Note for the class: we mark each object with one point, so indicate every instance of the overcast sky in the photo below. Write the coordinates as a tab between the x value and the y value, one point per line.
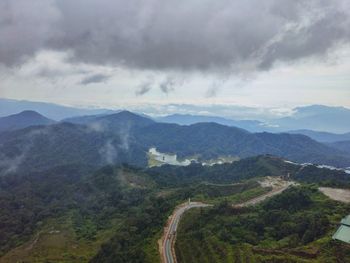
113	53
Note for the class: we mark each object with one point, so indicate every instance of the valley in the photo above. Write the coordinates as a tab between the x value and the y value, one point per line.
64	201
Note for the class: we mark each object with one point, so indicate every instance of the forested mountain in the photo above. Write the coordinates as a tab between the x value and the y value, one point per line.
22	120
39	148
127	205
122	119
126	137
210	140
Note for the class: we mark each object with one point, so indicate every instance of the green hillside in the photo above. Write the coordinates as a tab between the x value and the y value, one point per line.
295	226
117	213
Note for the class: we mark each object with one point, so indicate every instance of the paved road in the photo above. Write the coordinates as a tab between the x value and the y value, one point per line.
167	249
170	234
275	191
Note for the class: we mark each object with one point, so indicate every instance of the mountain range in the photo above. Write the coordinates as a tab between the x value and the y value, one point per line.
188	119
318	118
50	110
126	137
323	123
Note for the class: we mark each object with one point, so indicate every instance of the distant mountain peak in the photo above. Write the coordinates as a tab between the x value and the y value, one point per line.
126	115
29	113
22	120
116	121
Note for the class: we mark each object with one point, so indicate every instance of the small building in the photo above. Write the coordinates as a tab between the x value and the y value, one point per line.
343	232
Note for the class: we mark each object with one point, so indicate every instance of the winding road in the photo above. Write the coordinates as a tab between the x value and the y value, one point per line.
167	243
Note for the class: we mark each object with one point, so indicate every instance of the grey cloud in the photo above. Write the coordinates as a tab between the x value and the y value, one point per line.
96	78
144	88
25	28
52	73
177	35
167	85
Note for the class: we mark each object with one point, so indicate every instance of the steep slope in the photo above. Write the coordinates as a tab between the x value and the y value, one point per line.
22	120
106	139
39	148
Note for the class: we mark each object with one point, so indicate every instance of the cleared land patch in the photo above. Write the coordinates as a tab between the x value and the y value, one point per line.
342	195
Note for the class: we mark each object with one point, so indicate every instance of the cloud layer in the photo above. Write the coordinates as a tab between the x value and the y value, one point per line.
95	78
180	35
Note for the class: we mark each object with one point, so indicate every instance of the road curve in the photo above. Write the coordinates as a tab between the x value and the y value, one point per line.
167	244
167	249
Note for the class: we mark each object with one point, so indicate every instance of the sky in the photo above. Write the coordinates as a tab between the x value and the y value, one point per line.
112	53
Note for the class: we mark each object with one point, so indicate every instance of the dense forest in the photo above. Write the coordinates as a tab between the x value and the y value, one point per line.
125	137
278	230
116	213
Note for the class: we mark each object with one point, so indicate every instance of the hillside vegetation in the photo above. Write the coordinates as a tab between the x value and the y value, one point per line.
295	226
125	137
116	214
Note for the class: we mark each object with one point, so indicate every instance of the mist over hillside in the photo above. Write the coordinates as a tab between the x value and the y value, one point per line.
126	137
